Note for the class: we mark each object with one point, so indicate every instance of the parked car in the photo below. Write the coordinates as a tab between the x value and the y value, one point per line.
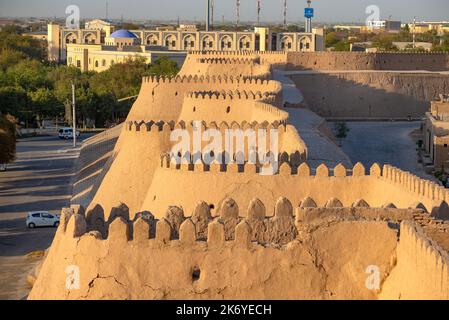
42	219
67	133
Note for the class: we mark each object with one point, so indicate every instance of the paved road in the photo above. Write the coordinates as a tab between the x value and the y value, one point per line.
385	143
40	179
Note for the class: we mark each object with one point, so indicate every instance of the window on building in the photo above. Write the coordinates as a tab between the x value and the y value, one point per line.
192	43
173	43
103	63
167	43
289	45
247	45
78	63
96	64
229	44
307	45
90	61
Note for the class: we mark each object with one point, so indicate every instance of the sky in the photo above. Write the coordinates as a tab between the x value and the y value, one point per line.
272	10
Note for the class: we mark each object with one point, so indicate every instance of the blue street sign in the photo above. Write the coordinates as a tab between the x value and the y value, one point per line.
308	12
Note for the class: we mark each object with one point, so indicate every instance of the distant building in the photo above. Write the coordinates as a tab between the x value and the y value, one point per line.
405	45
119	46
382	26
436	132
184	38
38	35
424	27
355	29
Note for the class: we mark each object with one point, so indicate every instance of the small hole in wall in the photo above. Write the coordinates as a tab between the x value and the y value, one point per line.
194	109
211	206
176	93
212	154
154	198
228	109
196	273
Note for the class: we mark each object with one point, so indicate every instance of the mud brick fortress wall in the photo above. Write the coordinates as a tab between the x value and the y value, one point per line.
368	61
370	85
156	229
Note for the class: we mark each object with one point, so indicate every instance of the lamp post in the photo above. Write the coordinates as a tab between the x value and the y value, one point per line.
73	115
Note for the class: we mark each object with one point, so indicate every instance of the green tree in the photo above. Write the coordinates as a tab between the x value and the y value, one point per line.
28	74
44	104
14	101
164	66
7	139
341	131
384	42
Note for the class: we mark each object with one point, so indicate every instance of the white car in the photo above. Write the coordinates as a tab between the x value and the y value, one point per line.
42	219
67	133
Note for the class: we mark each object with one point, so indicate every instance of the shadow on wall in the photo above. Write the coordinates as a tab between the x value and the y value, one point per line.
374	95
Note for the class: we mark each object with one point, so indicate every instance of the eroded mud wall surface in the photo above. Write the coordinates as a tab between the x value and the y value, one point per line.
370	94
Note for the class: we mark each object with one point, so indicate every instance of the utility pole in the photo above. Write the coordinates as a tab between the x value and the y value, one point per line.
285	14
73	115
414	35
258	12
212	6
238	12
207	15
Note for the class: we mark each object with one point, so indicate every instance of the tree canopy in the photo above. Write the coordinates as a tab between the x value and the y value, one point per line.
32	89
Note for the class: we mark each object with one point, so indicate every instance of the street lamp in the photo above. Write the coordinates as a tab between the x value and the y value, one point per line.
73	115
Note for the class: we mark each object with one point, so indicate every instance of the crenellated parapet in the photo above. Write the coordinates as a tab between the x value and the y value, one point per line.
218	79
256	225
417	186
232	95
428	263
168	126
229	61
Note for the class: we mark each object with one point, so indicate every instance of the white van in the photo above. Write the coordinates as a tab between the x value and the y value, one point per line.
67	133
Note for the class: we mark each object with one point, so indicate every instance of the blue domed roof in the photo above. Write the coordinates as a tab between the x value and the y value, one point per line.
123	34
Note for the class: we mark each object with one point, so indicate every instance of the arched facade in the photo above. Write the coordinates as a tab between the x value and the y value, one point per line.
171	41
244	43
226	43
207	42
189	42
71	37
152	40
305	44
90	38
287	43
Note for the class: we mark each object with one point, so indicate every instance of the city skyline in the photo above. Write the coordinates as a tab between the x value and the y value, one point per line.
272	10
